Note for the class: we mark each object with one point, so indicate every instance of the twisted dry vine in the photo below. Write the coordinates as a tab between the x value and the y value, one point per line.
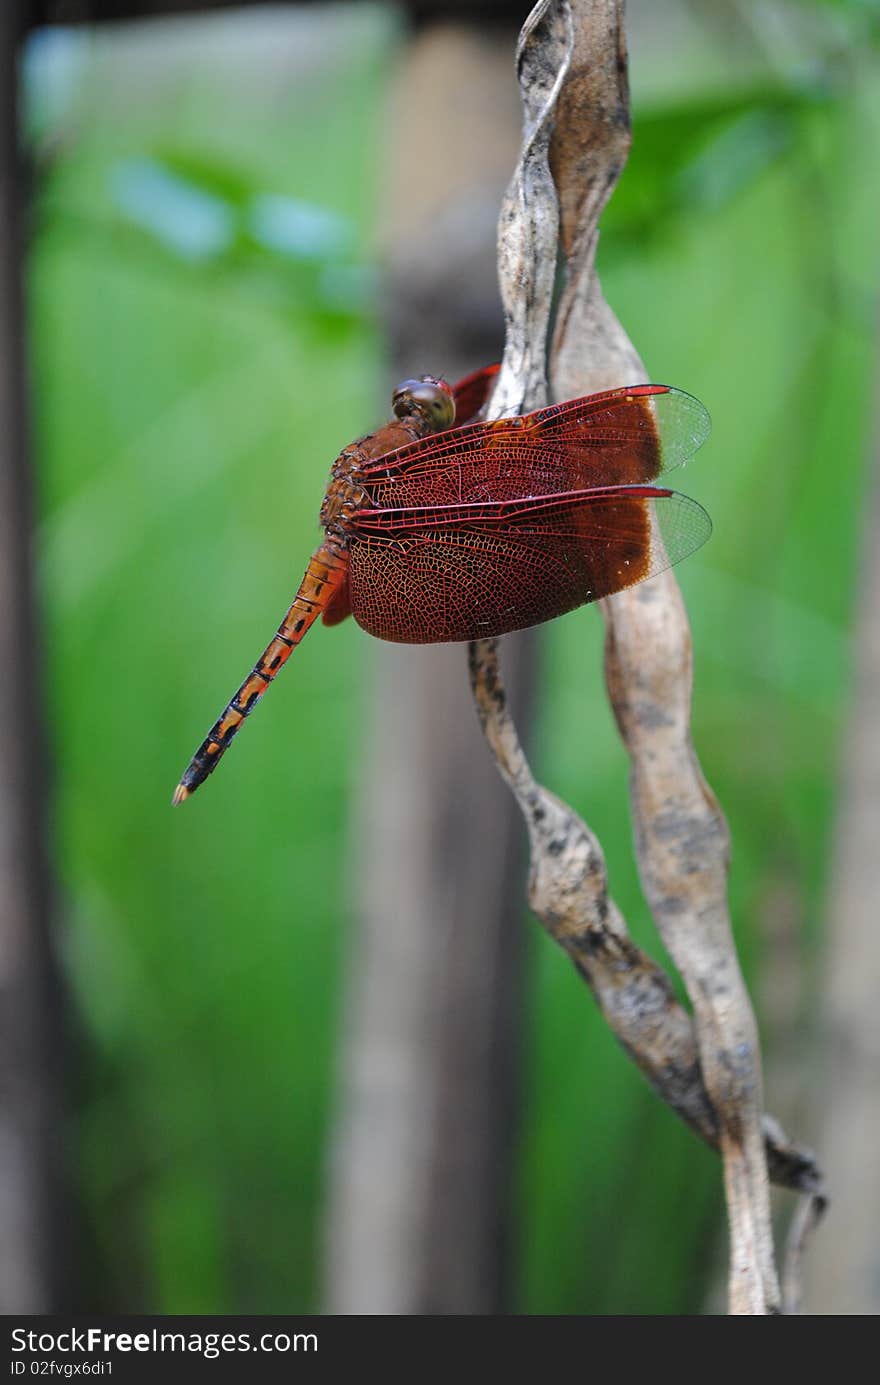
571	61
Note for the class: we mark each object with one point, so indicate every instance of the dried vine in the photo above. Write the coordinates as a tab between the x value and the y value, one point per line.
571	61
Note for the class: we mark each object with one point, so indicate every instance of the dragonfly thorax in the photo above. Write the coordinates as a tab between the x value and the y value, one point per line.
343	495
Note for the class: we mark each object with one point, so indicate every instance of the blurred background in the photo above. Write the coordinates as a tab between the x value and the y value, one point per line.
297	1047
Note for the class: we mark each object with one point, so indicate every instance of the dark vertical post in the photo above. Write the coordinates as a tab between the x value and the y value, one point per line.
27	1087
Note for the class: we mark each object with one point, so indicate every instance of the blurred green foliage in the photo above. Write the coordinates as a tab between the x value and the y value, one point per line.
203	342
189	410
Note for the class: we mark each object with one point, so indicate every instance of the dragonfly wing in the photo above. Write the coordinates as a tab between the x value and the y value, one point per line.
338	607
468	572
472	392
621	437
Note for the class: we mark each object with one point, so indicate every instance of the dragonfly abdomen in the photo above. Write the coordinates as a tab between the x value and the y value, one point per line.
325	574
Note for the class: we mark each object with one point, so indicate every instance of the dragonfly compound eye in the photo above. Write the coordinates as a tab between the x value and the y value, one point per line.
428	396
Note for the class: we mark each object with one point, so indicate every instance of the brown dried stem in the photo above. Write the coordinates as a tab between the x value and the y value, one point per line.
568	891
572	65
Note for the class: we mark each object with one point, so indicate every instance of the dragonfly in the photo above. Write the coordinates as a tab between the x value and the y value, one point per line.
443	526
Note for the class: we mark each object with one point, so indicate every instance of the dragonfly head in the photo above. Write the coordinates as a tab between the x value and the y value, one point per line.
428	398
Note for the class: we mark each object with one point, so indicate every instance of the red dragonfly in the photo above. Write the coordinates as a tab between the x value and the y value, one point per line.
441	527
